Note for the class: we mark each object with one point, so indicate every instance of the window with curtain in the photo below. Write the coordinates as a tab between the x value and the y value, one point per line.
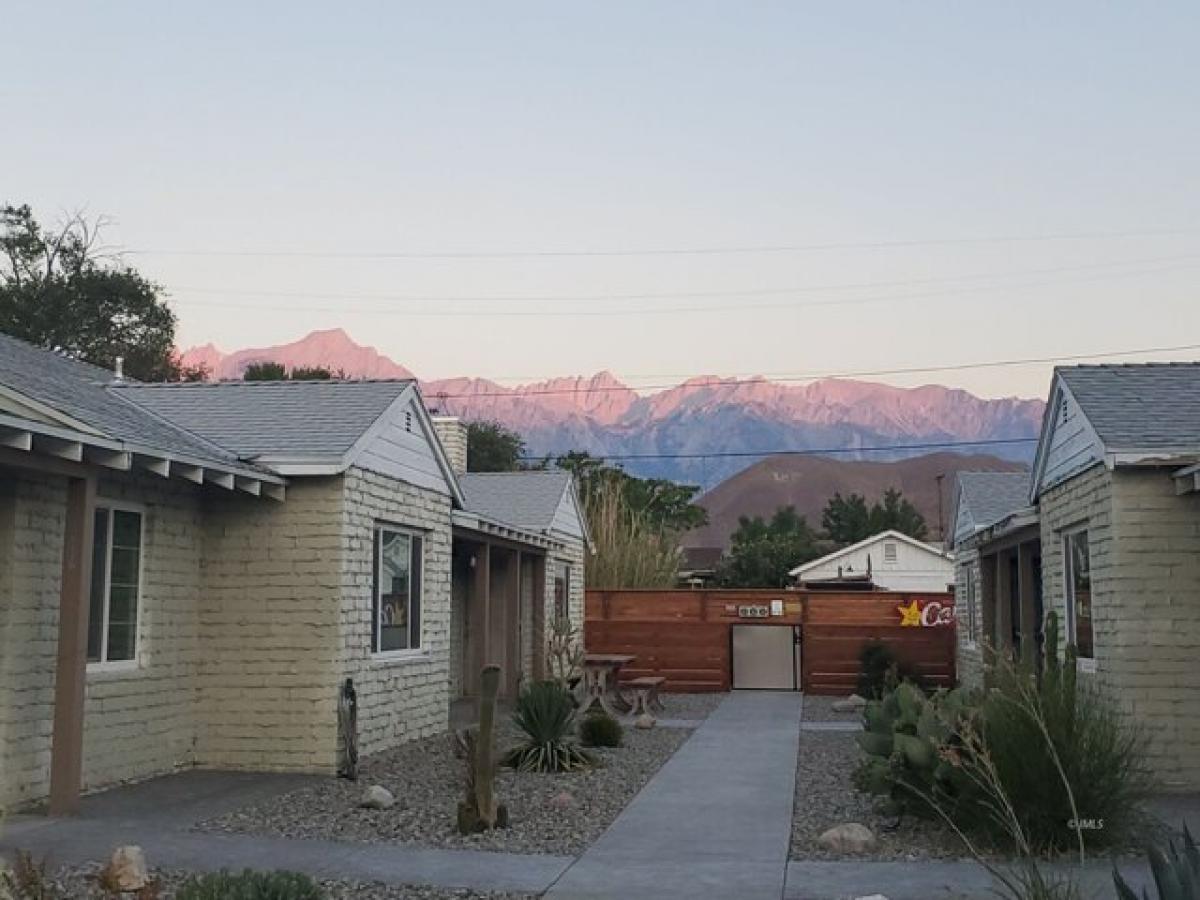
562	593
116	585
396	614
1079	593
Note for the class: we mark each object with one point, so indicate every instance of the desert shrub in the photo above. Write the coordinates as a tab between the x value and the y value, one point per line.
27	880
599	729
545	714
873	664
249	885
631	550
1176	872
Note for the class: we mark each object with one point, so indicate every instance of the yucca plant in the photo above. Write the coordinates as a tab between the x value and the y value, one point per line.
545	713
1176	872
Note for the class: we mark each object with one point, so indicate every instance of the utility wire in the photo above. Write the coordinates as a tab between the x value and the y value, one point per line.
866	373
667	251
822	451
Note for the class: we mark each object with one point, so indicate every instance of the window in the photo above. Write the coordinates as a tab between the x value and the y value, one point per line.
562	593
396	612
1078	577
972	613
889	552
116	580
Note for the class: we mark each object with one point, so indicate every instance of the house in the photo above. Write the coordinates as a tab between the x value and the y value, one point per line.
190	573
995	536
698	566
1107	535
889	561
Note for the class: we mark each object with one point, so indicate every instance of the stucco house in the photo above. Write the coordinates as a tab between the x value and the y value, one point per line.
889	561
189	573
1108	536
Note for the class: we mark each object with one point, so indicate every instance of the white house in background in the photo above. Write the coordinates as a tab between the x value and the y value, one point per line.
889	561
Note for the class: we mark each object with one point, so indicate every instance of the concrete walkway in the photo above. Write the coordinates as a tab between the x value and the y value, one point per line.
714	822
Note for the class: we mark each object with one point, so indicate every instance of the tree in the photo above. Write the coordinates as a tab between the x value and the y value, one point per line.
61	290
664	504
763	553
897	514
265	371
493	448
848	520
311	373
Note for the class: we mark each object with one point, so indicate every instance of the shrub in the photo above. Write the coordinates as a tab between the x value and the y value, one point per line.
249	885
545	713
873	664
1176	872
600	730
27	880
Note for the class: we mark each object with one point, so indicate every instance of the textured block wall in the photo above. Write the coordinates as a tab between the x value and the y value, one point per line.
969	661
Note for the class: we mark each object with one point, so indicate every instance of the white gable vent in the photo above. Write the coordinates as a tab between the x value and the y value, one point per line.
408	422
889	552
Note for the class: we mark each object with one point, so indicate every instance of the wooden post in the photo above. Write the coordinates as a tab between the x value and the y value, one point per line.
477	618
1004	621
512	625
1027	588
987	606
540	632
66	753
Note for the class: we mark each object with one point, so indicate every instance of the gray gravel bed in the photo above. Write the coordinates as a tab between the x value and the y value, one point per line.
820	709
558	814
79	884
690	706
826	796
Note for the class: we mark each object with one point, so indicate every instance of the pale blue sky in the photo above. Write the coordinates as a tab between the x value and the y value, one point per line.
350	128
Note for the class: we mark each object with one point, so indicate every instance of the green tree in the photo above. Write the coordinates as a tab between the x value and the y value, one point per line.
493	448
59	289
846	520
897	514
310	373
663	504
265	371
762	552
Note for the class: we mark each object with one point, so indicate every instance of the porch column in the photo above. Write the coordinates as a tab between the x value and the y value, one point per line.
538	619
987	606
1027	587
66	752
1004	644
478	617
512	624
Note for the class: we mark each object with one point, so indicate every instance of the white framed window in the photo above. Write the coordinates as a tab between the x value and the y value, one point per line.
562	593
889	552
396	599
1077	581
116	588
971	601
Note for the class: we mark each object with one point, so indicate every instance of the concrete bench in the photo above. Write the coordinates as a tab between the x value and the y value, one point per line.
645	694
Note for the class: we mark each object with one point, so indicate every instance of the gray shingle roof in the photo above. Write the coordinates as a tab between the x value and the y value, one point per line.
990	496
1141	405
82	392
272	418
527	500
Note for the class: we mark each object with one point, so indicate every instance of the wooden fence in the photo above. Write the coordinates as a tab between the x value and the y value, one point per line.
685	636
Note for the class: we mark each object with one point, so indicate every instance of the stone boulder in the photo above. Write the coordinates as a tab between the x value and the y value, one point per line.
645	720
563	800
377	797
848	838
127	870
853	703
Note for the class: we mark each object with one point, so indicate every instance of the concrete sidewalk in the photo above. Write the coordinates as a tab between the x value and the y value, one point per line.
714	822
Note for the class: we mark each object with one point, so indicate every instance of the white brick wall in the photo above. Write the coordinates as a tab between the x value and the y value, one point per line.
1145	556
970	655
399	699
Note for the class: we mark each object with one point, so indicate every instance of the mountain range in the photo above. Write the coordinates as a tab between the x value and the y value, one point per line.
674	433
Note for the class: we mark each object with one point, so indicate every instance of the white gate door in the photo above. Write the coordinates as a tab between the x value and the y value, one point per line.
765	657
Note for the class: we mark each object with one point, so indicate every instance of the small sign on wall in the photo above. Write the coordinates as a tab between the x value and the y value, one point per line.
930	615
777	607
756	611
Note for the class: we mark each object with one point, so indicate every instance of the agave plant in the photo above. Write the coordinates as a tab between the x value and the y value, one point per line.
1176	872
545	713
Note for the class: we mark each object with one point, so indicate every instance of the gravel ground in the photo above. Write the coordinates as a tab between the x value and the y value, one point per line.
79	884
558	814
826	796
820	709
690	706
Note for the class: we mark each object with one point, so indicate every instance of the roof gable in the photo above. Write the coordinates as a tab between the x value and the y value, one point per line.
889	535
983	498
1139	406
535	500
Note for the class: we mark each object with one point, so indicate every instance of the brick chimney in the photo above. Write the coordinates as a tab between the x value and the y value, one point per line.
452	432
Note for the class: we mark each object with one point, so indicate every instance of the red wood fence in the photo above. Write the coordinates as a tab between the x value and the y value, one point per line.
684	635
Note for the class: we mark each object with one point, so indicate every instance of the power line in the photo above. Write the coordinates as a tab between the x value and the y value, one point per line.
667	251
664	295
823	451
674	310
869	373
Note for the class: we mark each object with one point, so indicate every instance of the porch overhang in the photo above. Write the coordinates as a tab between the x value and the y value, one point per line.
45	441
1187	480
1016	528
469	524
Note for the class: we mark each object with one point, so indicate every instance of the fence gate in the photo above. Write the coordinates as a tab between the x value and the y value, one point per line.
766	657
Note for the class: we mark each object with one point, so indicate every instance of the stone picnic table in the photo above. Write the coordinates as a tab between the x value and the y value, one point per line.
600	684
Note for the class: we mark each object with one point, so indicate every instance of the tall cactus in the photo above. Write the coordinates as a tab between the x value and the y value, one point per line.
480	811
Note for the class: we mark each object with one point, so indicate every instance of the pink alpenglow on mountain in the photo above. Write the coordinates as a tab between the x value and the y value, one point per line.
333	349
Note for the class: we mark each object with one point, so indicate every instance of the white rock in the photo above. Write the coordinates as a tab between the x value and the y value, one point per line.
848	838
645	720
850	704
377	797
872	897
562	800
127	868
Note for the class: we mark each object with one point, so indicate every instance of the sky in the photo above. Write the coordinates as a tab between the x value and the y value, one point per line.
490	189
